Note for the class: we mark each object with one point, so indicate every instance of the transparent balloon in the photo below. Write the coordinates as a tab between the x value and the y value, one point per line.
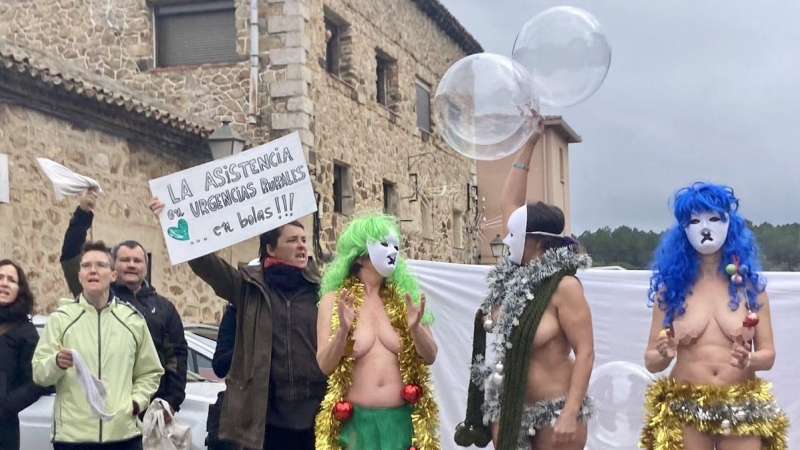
485	106
566	53
618	390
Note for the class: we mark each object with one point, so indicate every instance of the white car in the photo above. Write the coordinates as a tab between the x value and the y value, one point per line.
202	388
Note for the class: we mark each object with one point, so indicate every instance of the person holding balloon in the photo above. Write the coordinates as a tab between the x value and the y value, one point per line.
711	315
535	392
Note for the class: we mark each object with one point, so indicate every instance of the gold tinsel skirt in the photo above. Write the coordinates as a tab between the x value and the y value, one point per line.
747	409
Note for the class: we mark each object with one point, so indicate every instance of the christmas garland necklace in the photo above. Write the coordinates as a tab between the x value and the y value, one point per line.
414	371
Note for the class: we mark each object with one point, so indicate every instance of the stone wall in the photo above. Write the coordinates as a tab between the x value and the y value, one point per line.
115	38
383	142
338	120
33	224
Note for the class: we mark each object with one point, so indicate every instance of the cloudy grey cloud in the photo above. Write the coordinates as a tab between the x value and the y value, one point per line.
696	91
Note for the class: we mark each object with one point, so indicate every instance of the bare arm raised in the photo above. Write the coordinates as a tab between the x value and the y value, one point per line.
516	187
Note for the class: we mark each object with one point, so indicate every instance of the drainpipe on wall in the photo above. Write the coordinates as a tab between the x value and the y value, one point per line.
252	111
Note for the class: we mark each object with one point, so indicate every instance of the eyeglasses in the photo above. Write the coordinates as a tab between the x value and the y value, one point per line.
98	264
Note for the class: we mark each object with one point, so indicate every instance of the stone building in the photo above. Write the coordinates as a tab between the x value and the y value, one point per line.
354	78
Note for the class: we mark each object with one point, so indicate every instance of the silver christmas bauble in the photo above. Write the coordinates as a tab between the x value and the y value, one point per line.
488	325
497	379
498	368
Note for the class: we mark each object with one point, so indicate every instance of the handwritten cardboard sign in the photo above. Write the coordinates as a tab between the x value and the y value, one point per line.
224	202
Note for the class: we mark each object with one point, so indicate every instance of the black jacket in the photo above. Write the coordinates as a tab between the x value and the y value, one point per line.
17	390
223	355
162	318
226	337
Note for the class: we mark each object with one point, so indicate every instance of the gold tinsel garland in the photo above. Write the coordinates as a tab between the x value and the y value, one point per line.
425	415
663	422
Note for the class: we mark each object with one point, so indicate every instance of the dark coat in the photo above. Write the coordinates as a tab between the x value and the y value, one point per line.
273	324
17	390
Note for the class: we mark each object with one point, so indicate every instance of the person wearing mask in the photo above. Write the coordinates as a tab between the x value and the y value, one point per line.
130	264
18	339
376	344
711	316
112	339
274	386
534	392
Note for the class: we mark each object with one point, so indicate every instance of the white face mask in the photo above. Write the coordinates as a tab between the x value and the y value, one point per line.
707	232
384	254
515	240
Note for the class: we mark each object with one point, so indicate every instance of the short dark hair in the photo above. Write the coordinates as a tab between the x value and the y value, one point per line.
549	219
96	246
271	238
129	244
23	304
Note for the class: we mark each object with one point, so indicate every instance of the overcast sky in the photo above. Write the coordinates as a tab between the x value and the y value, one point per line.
696	91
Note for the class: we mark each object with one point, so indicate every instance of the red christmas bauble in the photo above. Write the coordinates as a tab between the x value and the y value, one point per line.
412	393
413	447
342	411
750	320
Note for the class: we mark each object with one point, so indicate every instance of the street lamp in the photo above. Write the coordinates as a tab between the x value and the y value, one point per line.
497	247
225	141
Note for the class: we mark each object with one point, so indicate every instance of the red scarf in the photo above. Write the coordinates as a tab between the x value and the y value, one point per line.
271	261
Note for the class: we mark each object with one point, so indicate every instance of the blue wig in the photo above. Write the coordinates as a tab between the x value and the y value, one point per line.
675	265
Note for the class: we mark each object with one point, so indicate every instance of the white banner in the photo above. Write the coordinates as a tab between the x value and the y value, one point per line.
4	184
224	202
621	322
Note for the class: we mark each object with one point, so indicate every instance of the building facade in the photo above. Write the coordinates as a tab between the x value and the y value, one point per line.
355	79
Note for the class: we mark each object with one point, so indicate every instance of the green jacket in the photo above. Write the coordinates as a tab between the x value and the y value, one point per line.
116	346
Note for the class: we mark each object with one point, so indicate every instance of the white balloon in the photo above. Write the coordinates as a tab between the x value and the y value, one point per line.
485	106
566	53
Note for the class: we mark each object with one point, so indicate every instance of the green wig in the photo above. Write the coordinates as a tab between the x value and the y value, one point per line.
352	244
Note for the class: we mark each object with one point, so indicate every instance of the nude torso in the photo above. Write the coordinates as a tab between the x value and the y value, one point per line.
705	335
550	366
377	382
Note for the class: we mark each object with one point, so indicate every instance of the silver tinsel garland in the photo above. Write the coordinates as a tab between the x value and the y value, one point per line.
534	417
511	288
728	414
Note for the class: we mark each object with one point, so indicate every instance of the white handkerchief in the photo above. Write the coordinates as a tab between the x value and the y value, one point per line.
93	388
65	181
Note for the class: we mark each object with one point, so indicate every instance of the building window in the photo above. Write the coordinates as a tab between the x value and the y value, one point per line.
458	229
561	164
423	106
342	189
389	198
332	50
426	213
195	33
382	68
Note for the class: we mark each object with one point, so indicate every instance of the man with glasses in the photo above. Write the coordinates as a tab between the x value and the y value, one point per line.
113	341
131	264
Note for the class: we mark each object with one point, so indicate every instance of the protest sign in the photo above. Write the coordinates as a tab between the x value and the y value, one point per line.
4	184
224	202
